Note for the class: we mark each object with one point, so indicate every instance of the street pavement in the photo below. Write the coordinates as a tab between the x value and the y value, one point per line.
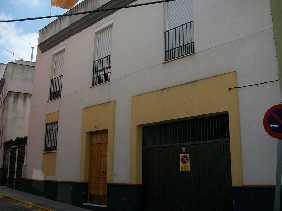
7	205
11	199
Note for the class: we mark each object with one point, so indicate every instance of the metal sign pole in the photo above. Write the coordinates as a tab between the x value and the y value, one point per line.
277	202
272	123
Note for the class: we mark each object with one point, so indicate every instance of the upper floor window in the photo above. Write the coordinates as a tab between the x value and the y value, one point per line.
102	61
51	135
179	34
56	84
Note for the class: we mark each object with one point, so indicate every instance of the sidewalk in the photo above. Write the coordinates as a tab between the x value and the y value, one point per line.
36	202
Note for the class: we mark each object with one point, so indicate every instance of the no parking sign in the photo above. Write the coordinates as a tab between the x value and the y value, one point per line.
184	162
272	121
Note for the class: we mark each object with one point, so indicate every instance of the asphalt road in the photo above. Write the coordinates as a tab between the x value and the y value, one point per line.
6	205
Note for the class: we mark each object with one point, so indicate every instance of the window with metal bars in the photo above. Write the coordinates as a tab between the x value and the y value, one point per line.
179	36
56	86
51	135
102	61
56	81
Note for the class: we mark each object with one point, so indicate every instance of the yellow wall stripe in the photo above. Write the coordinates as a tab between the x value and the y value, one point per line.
97	118
49	158
197	98
52	117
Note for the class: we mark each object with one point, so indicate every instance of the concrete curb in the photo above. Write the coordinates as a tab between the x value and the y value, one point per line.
25	204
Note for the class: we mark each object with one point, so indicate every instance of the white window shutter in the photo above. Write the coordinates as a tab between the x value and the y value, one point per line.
103	43
58	64
178	13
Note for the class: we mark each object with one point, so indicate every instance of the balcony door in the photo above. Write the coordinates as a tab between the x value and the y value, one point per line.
179	34
102	59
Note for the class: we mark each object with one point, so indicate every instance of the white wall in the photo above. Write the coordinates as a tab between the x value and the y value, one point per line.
15	101
230	35
17	93
19	78
17	116
2	69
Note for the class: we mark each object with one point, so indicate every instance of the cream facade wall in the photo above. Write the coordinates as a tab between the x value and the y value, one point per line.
229	36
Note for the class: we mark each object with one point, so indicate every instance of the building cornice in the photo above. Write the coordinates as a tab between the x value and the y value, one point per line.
3	99
81	24
32	64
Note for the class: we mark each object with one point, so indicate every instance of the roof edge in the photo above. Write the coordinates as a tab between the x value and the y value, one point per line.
81	24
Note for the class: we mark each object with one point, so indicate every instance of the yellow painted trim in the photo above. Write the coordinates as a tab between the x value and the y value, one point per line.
49	158
194	99
49	164
97	118
52	117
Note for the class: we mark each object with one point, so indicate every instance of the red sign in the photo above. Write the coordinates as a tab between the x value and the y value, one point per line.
184	163
272	121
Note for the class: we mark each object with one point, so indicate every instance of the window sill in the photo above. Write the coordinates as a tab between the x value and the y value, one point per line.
101	85
49	152
178	58
53	101
94	205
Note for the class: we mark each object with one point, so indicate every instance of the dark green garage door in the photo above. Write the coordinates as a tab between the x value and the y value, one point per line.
201	184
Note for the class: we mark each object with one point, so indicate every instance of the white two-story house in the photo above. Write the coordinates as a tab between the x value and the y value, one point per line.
155	107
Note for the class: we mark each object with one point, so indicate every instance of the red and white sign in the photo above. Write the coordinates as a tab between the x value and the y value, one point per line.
272	121
184	162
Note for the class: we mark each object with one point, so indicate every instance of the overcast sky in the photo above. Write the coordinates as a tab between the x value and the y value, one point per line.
17	38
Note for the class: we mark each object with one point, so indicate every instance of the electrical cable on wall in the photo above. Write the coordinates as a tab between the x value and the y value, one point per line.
84	12
255	84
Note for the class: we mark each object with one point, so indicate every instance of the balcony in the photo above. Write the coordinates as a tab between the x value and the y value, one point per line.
101	71
179	42
55	90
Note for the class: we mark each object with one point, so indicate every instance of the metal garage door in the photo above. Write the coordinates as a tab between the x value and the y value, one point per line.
204	184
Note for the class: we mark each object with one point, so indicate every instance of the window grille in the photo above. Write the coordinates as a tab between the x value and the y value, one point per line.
51	135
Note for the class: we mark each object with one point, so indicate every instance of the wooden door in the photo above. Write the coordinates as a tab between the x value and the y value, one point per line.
98	168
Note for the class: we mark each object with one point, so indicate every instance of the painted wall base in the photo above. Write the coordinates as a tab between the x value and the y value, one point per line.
68	192
253	198
124	197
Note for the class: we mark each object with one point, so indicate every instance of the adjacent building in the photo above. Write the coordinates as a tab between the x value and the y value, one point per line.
276	6
15	102
155	107
277	28
2	69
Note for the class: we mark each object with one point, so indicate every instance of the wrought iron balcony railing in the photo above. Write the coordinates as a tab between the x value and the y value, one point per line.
51	135
101	71
56	86
179	41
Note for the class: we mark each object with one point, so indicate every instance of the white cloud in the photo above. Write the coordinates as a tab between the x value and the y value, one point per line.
33	3
14	39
